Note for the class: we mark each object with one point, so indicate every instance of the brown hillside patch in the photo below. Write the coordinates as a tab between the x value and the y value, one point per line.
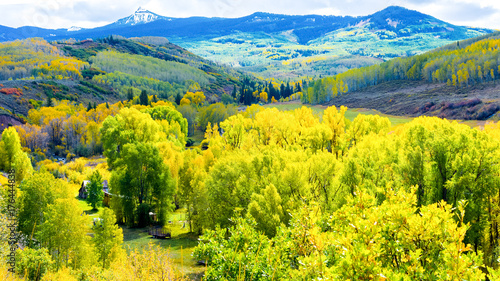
415	98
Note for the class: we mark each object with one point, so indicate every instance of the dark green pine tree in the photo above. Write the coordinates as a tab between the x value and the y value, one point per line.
89	107
234	92
107	105
272	92
298	88
143	98
130	94
178	99
95	105
288	90
49	102
242	94
282	90
154	99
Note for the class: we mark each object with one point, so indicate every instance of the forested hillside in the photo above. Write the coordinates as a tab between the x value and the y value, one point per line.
35	58
34	72
462	66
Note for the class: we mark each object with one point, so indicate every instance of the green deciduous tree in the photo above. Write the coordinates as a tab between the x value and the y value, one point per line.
267	210
12	155
33	263
95	194
64	234
37	193
108	238
141	177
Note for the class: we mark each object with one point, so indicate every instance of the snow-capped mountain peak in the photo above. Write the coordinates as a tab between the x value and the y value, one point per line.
140	10
139	17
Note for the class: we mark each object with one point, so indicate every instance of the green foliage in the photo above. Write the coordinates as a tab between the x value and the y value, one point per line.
143	98
459	67
214	114
139	175
168	71
37	193
267	210
64	234
12	155
226	99
171	115
142	177
33	263
108	237
189	113
123	82
94	191
360	241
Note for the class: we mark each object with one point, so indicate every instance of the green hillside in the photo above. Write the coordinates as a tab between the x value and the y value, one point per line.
331	46
34	71
454	81
281	56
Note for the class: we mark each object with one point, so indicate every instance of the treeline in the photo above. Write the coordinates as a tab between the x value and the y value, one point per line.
122	82
67	130
305	198
252	91
35	58
460	65
168	71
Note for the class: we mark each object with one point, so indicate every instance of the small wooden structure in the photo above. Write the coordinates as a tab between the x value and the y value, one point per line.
106	199
157	232
82	192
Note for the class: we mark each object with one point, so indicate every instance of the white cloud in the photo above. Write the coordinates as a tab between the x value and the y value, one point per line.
327	11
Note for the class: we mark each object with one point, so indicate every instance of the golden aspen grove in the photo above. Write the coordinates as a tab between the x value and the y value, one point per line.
135	159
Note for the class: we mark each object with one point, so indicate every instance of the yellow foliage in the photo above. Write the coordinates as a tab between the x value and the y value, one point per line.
63	274
21	58
196	98
263	97
185	101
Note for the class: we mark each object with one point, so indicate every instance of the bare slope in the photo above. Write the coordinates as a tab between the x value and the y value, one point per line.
415	98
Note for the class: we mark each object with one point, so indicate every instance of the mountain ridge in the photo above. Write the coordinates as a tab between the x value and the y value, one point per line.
144	22
282	46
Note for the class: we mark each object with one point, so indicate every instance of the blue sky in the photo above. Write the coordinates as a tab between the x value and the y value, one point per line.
92	13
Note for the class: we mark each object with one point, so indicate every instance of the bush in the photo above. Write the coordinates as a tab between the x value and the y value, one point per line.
33	263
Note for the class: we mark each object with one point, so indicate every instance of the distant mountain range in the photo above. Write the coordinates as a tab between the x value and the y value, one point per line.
305	27
282	46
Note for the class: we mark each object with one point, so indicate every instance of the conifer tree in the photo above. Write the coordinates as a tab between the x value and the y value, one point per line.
234	92
130	94
178	98
49	102
143	98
